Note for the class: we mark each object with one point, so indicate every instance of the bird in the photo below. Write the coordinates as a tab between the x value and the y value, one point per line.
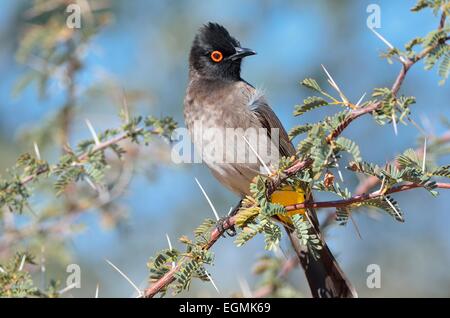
217	101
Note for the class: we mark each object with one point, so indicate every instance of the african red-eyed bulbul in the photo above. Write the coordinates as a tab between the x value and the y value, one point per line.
218	98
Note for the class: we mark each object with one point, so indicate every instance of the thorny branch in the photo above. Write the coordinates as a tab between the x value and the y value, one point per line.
229	223
101	146
300	165
407	63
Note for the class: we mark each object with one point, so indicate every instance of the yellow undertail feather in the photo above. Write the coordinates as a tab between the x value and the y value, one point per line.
288	196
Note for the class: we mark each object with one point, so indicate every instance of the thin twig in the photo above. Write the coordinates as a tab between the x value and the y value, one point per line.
84	156
407	63
361	197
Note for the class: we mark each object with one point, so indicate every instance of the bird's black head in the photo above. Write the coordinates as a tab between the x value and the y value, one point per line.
216	54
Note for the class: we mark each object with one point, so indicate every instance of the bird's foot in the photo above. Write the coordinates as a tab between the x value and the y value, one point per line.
223	223
223	226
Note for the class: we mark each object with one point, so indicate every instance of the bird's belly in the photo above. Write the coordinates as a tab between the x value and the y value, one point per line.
234	154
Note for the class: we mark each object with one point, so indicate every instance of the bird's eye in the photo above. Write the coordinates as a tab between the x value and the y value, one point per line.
216	56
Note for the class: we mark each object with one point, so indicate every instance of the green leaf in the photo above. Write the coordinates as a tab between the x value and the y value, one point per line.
203	231
312	84
306	234
349	146
443	171
249	232
300	129
365	168
183	276
272	236
309	103
271	209
444	67
420	5
409	158
342	215
391	207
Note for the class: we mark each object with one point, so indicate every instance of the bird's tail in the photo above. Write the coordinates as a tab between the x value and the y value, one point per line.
325	277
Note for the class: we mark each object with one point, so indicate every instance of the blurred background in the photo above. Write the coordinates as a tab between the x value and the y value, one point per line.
141	48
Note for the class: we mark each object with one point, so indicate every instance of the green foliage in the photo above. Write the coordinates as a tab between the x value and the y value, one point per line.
88	162
342	215
435	5
306	234
16	281
250	231
309	103
49	43
391	108
300	129
190	264
47	39
203	231
387	204
345	144
443	171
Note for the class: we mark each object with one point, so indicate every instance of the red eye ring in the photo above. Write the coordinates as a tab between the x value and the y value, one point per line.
216	56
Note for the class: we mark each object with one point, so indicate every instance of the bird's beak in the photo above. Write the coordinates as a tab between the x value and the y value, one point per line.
241	53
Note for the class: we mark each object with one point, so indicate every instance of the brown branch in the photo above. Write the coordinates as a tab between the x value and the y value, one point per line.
407	63
84	156
360	197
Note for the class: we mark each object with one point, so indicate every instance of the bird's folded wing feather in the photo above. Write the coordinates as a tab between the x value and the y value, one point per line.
269	120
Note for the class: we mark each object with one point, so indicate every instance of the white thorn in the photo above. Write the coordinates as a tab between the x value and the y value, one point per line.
245	288
385	42
330	79
394	123
231	210
333	84
424	155
91	183
340	175
382	183
22	263
212	282
277	251
338	169
209	201
125	108
92	131
67	288
2	270
393	207
257	156
36	150
168	241
126	277
170	247
361	99
96	290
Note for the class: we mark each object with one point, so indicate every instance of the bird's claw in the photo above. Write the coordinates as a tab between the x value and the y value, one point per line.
223	226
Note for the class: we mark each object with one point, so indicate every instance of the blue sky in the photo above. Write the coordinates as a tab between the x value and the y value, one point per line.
147	48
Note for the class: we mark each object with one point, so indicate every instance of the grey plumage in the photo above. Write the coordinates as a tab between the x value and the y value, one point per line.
220	105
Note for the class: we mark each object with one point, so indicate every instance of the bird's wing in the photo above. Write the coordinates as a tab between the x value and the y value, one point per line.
269	120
